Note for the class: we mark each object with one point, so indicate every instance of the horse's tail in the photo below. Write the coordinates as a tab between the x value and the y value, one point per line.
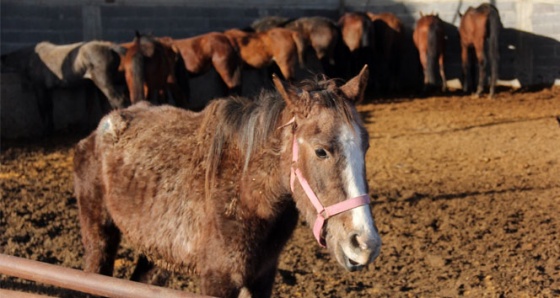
432	53
134	73
235	64
493	27
300	45
367	27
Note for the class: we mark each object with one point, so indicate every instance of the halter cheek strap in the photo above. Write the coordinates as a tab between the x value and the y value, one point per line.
323	213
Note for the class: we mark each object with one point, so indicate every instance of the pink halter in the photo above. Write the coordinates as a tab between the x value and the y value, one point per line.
323	213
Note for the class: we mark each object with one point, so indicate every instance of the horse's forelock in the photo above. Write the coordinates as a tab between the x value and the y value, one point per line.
329	95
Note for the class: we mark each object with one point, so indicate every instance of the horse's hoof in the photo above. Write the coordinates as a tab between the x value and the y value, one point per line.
475	95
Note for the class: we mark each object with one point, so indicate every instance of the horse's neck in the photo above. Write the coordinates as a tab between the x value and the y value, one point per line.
267	178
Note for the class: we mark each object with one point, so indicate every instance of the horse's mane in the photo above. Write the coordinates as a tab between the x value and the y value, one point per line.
247	124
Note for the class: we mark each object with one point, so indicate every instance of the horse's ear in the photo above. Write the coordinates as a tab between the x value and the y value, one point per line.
421	14
355	88
295	98
137	34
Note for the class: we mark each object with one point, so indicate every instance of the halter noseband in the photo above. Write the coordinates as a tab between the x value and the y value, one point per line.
323	213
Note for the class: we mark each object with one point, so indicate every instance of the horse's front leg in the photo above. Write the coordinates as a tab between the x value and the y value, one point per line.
465	64
262	286
44	99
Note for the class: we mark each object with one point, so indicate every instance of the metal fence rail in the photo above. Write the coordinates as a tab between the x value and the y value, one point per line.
78	280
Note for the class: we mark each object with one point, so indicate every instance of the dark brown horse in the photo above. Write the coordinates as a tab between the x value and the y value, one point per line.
388	34
218	192
479	25
46	66
356	29
277	45
213	49
269	22
429	39
357	36
149	66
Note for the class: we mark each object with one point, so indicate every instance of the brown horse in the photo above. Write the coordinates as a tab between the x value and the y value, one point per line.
201	52
477	26
429	39
388	34
277	45
46	66
149	66
322	34
218	192
319	33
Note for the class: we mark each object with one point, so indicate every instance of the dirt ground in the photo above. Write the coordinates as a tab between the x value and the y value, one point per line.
466	195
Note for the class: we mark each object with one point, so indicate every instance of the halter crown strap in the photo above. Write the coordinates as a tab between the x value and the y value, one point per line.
323	213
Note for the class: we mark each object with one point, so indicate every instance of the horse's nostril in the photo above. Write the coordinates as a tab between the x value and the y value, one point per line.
354	241
358	242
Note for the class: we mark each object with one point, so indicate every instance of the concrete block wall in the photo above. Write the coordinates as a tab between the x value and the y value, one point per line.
530	43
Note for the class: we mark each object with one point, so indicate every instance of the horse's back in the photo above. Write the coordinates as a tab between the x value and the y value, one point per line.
355	30
198	50
150	167
55	57
474	23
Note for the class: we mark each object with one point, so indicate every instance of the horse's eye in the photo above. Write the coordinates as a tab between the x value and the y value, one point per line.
321	153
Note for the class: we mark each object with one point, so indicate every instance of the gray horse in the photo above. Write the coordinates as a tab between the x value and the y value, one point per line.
46	66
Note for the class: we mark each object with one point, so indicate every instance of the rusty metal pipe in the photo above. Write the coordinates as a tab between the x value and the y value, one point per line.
79	280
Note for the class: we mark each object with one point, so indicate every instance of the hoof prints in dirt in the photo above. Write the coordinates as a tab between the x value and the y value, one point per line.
466	197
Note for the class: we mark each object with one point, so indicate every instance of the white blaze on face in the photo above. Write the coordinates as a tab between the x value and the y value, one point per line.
353	174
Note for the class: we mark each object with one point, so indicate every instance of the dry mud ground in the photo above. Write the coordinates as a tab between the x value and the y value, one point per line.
466	195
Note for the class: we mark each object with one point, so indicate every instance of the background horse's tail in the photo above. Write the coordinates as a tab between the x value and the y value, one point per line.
300	45
367	28
493	27
235	64
134	72
432	53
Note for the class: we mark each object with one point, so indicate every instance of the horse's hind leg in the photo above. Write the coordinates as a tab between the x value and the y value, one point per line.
481	69
100	236
493	70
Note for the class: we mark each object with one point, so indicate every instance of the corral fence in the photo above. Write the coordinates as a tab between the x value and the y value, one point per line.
78	280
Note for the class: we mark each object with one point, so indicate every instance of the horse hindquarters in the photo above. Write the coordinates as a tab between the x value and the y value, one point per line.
100	236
